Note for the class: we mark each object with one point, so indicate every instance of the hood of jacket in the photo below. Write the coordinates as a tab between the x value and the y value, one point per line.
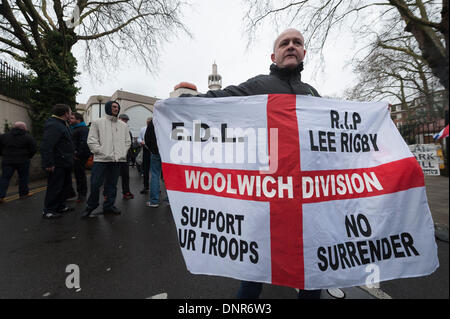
108	108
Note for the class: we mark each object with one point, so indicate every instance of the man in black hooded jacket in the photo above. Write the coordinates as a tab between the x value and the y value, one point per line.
57	160
284	78
82	152
17	147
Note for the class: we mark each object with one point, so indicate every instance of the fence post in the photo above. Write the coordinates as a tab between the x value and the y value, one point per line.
13	83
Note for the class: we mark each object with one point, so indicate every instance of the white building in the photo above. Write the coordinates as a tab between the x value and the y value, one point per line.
214	79
137	107
184	88
214	83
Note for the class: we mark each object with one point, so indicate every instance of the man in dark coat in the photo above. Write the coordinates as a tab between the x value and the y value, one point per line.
284	78
17	147
57	154
146	161
81	153
125	166
155	165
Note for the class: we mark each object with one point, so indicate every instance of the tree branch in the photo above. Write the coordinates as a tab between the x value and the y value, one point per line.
105	3
59	14
12	44
405	12
99	35
404	50
36	16
18	31
49	19
33	24
14	55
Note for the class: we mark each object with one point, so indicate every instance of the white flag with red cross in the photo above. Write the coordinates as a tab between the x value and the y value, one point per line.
292	190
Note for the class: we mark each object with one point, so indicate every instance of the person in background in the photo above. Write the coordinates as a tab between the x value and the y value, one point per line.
82	152
145	157
155	165
135	148
125	166
57	153
17	147
109	141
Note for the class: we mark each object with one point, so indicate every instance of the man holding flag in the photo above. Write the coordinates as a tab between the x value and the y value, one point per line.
341	202
284	78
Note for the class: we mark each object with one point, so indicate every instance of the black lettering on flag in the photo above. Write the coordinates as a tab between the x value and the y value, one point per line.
311	139
408	242
186	237
356	226
212	243
254	250
321	254
334	119
358	253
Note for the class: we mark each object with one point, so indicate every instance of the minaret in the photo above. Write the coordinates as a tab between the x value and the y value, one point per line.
214	79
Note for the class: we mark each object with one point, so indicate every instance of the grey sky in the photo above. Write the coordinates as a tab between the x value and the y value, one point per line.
217	29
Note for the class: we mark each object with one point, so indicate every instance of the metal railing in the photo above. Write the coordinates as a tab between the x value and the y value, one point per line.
420	133
13	83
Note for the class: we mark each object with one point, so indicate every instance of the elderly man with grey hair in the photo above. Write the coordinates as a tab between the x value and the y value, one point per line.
17	147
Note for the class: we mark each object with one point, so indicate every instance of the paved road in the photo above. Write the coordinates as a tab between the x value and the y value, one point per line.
134	255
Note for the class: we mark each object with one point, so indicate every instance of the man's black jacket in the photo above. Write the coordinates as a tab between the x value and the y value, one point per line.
17	146
150	139
56	146
79	137
279	81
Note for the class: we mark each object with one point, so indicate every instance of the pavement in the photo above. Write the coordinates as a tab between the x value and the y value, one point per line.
137	255
437	188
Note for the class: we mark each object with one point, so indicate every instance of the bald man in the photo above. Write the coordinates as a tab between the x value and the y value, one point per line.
284	78
20	125
17	147
285	71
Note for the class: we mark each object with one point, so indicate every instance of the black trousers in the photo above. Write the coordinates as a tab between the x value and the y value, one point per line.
146	166
79	170
125	176
23	169
59	183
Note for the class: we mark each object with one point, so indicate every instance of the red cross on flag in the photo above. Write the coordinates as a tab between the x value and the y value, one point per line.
292	190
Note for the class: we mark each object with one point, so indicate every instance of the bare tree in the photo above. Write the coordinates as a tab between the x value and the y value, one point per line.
41	34
394	69
426	21
109	29
399	78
